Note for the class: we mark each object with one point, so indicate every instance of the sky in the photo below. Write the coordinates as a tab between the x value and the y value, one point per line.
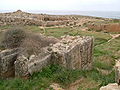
63	5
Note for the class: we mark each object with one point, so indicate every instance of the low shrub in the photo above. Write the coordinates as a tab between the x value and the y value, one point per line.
30	42
33	43
13	38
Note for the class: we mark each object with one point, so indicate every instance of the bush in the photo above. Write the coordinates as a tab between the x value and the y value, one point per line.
13	38
33	43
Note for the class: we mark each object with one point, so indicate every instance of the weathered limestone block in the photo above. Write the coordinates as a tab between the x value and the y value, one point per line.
113	86
117	71
21	66
25	66
39	64
7	58
73	52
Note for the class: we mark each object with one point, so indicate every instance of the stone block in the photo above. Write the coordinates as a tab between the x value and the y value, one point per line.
73	52
7	58
27	66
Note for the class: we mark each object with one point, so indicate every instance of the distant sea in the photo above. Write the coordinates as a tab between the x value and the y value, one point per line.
104	14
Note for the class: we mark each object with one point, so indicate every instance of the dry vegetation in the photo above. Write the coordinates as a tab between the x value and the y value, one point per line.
30	42
13	38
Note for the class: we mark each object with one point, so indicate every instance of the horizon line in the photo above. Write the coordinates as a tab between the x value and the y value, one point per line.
61	10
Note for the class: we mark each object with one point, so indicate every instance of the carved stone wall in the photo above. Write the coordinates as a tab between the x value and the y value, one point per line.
27	66
7	59
72	52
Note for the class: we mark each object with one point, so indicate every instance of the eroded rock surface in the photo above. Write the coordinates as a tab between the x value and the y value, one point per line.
7	59
73	52
25	66
113	86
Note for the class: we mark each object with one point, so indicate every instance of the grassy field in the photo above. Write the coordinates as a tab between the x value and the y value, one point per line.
105	54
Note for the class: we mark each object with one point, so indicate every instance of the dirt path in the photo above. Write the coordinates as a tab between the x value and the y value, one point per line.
75	85
114	36
55	86
72	86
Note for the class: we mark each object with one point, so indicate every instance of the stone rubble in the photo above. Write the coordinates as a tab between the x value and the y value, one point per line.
24	18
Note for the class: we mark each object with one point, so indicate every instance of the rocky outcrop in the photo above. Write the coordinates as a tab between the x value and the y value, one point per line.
117	71
113	86
19	21
24	18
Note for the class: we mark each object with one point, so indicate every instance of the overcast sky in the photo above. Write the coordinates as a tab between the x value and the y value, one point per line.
73	5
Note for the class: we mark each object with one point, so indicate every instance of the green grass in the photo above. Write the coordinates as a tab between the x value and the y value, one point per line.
106	65
5	27
116	21
55	73
105	54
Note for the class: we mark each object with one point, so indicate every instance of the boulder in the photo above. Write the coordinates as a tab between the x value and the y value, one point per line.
113	86
117	71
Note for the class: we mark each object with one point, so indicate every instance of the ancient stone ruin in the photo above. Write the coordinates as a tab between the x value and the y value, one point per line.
7	59
72	52
23	18
107	27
